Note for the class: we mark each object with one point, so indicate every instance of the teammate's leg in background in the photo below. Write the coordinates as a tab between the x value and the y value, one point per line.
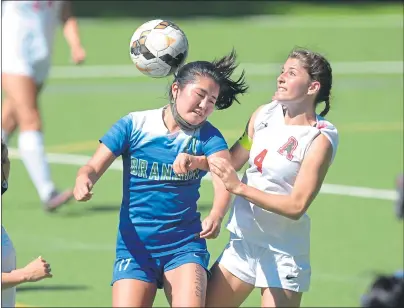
22	93
8	120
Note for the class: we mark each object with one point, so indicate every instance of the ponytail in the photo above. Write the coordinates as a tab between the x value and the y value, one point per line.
229	89
326	108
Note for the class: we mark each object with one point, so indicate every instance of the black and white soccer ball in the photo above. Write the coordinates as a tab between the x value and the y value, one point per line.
158	48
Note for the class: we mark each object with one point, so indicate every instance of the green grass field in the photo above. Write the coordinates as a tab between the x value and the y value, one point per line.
353	238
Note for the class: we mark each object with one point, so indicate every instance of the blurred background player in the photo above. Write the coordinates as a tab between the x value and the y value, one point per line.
385	291
27	43
36	270
161	242
289	149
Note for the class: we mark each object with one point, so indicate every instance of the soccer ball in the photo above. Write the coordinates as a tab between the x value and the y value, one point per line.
158	48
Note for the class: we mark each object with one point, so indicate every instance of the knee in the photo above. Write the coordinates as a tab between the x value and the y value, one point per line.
21	100
29	120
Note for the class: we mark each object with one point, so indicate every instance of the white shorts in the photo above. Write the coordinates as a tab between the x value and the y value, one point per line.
25	52
265	268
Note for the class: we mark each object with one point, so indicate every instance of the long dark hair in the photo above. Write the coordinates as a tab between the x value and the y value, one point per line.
220	71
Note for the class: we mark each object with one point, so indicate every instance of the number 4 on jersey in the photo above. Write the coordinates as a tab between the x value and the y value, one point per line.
286	150
259	159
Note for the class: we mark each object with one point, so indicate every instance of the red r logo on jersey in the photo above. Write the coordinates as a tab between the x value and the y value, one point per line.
289	147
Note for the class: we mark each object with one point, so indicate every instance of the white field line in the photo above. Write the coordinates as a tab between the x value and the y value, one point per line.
332	189
252	69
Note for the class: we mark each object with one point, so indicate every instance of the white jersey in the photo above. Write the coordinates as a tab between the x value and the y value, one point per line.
36	17
275	159
28	35
8	264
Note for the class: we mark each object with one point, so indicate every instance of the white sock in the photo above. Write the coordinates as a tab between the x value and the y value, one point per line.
30	144
4	136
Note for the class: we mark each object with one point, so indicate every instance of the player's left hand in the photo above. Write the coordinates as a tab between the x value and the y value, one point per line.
225	171
78	54
211	226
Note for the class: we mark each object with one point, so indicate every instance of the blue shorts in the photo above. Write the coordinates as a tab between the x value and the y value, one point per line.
151	269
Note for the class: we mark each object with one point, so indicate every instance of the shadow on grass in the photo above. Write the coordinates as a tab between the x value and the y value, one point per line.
34	288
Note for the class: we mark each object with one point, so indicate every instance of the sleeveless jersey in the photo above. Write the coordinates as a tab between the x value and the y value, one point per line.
276	155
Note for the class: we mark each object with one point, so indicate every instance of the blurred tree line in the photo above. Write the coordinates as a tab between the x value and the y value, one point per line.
190	8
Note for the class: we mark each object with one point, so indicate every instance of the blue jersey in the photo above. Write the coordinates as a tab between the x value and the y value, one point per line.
159	208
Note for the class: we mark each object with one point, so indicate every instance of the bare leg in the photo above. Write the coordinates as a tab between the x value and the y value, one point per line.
225	289
133	293
276	297
185	286
8	119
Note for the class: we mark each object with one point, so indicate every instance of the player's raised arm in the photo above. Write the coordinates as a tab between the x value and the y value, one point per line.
239	152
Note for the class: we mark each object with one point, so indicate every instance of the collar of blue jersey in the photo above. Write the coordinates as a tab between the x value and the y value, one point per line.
182	123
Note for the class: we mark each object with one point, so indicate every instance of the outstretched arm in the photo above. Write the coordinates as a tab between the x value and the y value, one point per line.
37	270
91	172
112	145
239	152
98	164
12	279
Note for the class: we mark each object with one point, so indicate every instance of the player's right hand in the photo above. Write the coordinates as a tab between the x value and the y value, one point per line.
184	163
82	189
37	270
